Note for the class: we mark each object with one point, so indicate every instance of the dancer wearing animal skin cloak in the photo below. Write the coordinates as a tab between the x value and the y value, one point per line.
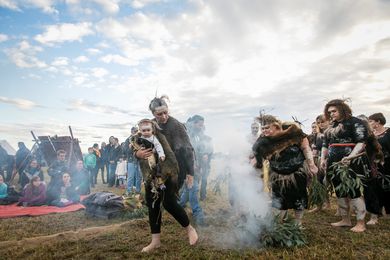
177	167
287	148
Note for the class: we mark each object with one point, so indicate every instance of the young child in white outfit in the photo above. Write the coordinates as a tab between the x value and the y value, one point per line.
146	129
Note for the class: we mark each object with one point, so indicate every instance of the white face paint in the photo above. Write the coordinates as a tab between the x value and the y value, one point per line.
334	113
360	131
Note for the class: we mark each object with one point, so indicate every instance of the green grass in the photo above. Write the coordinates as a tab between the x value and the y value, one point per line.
324	241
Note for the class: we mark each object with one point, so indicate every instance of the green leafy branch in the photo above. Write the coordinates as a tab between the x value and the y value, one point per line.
348	183
283	233
318	193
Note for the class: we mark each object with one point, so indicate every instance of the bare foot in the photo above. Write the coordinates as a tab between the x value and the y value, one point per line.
151	247
359	228
192	235
372	222
342	223
316	209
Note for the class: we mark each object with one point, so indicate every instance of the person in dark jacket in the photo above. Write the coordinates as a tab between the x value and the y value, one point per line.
31	171
56	170
64	193
104	161
11	168
22	159
98	155
80	179
114	155
344	141
3	162
180	164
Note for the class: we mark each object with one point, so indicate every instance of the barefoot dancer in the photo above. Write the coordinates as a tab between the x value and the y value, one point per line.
177	167
287	148
344	139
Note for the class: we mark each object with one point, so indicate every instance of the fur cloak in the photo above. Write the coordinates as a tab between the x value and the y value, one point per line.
168	167
267	146
179	141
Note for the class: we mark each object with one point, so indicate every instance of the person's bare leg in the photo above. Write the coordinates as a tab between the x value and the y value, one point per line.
326	205
298	217
360	210
343	206
156	243
192	235
315	209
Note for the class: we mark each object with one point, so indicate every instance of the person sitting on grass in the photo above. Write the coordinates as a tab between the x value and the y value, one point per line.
3	188
8	195
64	194
34	193
80	179
32	170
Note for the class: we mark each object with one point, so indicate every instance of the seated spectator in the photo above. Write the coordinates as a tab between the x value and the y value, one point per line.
34	193
63	194
80	179
3	188
31	170
8	195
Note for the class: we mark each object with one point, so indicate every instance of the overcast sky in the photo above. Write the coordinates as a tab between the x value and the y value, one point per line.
96	64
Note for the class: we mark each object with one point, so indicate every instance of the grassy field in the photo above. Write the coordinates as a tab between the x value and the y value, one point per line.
77	237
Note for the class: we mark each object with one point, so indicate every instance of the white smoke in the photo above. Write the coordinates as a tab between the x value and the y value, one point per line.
249	208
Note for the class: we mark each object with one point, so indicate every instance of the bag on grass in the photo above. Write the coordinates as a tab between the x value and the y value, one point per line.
104	205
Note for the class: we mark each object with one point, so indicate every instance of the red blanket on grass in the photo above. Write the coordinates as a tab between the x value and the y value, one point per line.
11	211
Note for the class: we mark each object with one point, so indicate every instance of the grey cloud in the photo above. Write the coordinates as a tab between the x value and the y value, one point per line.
383	44
351	68
331	18
338	17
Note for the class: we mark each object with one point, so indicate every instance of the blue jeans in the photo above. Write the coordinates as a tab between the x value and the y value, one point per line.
191	196
203	185
111	174
134	177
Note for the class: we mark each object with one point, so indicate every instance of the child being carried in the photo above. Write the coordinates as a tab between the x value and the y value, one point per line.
149	140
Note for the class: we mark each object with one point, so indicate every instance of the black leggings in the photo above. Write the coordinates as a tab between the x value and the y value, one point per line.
169	201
